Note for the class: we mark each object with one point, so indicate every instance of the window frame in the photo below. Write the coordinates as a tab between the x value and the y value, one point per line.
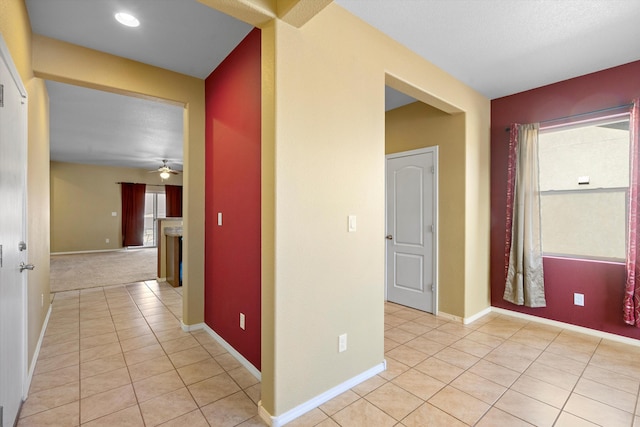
596	121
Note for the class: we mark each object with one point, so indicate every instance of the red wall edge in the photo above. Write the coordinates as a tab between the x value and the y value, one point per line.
601	283
232	251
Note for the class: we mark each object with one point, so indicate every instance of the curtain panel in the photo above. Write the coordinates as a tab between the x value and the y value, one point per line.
174	200
631	303
524	275
133	196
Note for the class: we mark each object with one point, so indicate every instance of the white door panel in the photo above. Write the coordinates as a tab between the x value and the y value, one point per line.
411	225
13	148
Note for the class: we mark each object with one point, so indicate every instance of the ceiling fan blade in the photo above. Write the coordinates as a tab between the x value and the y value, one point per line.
165	168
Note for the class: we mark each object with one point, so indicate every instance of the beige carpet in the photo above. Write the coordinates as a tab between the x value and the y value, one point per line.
81	271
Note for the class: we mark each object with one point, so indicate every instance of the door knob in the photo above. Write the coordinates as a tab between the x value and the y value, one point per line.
24	267
389	237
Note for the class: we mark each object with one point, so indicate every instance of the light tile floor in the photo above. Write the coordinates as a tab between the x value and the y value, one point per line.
117	356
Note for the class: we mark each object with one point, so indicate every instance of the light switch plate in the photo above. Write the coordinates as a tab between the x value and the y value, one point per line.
352	223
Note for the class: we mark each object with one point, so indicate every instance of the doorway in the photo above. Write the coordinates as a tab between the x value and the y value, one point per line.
13	273
411	223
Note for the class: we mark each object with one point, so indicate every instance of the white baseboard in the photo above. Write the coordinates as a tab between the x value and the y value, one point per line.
465	320
476	316
191	328
85	252
239	357
36	353
319	399
568	326
451	317
95	251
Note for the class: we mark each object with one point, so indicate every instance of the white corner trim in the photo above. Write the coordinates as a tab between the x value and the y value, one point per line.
190	328
476	316
313	403
266	416
240	358
464	320
449	316
36	353
568	326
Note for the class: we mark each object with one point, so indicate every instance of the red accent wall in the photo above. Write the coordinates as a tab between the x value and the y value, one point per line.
232	251
602	283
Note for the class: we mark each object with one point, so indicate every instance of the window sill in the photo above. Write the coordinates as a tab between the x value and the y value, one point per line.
590	260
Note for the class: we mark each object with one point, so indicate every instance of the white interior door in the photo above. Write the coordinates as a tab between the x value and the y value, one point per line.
411	229
13	149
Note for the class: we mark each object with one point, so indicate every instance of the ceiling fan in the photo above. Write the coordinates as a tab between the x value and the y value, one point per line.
165	170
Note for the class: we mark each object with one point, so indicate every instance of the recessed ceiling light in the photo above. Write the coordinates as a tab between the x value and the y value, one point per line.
127	19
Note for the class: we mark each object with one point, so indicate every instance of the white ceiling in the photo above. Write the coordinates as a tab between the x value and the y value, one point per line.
498	47
96	127
502	47
180	35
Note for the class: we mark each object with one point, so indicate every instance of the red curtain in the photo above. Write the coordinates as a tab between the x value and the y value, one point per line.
132	214
632	287
174	200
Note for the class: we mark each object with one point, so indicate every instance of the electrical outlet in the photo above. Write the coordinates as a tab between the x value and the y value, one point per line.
106	240
242	321
41	300
578	299
342	343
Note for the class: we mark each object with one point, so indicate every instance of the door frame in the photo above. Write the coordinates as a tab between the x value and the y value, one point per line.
436	243
5	56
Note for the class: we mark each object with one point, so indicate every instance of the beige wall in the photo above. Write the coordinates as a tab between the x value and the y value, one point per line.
419	125
323	88
16	31
38	202
82	200
67	63
329	157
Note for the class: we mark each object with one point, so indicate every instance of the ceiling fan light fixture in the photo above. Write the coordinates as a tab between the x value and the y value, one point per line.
165	175
127	19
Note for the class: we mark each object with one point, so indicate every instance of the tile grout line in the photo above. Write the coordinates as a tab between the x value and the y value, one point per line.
169	358
576	385
122	350
492	405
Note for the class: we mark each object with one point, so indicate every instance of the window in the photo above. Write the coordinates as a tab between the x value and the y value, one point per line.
584	180
154	207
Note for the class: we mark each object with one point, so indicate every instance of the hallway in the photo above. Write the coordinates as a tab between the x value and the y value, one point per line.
117	356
